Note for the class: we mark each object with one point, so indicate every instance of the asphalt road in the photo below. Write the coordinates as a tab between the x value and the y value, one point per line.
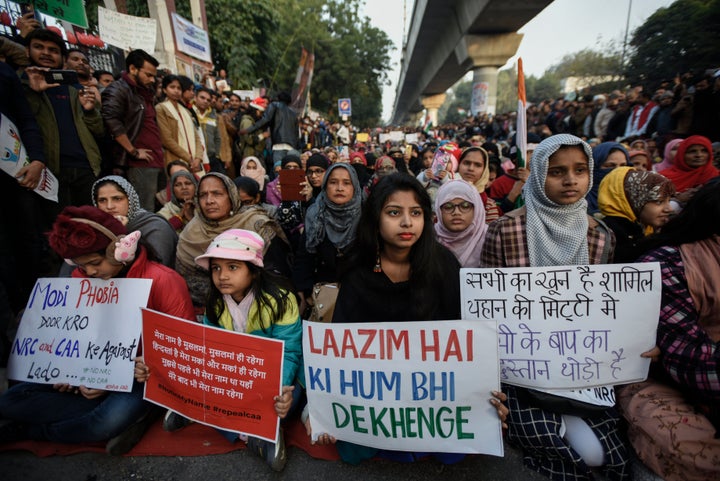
18	465
243	465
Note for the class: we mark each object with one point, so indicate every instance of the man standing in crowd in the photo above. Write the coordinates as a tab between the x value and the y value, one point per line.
129	113
252	145
77	60
208	120
283	124
640	115
68	119
104	78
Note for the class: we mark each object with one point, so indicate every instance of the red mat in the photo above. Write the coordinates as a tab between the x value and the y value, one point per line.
194	440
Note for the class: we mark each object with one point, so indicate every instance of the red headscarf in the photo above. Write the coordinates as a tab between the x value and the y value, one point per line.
685	177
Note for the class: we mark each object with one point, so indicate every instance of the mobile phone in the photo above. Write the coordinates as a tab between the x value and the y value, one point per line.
64	77
27	8
290	181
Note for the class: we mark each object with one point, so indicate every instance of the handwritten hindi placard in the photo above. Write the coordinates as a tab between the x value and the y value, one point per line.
127	31
568	327
221	378
83	332
409	386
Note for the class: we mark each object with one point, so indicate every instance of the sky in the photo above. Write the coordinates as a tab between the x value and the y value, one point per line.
563	27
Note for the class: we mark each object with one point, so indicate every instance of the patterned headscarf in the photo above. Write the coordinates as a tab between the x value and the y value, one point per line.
121	183
336	221
644	187
625	191
556	234
466	245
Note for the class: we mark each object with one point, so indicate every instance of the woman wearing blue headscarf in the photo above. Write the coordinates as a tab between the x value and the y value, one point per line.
606	157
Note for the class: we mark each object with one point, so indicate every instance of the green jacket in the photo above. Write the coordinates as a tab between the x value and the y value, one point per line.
89	125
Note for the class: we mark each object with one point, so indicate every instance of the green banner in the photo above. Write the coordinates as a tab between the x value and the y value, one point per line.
72	11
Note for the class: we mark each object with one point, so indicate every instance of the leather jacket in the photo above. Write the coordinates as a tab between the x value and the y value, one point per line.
122	111
283	124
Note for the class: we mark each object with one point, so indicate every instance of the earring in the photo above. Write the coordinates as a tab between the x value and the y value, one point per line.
378	266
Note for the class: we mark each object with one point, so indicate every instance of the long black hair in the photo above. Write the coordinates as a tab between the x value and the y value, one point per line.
265	286
425	256
699	220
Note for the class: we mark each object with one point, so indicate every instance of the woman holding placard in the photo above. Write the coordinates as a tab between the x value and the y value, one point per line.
554	229
393	276
674	416
64	413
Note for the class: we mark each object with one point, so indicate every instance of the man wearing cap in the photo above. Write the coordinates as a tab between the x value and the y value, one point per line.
252	145
208	119
283	124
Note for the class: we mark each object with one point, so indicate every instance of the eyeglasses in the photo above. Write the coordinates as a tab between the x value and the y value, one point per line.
464	206
314	172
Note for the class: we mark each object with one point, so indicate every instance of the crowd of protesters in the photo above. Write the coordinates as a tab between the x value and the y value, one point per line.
622	176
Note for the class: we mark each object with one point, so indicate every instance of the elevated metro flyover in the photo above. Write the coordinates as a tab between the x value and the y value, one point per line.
448	38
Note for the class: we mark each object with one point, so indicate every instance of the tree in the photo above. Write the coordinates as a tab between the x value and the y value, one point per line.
680	38
541	88
351	56
243	37
589	63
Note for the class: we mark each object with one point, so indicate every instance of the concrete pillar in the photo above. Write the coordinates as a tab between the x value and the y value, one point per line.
484	90
488	53
432	103
197	10
165	44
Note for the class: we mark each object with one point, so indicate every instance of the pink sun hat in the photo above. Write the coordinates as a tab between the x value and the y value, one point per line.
236	244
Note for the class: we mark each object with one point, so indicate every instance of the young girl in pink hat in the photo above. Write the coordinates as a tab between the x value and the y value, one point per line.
245	298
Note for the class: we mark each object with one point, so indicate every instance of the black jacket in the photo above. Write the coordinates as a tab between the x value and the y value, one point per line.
283	124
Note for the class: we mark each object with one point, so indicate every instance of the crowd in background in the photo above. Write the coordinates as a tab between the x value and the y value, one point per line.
619	177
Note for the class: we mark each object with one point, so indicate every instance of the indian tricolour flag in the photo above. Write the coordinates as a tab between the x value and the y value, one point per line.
521	130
